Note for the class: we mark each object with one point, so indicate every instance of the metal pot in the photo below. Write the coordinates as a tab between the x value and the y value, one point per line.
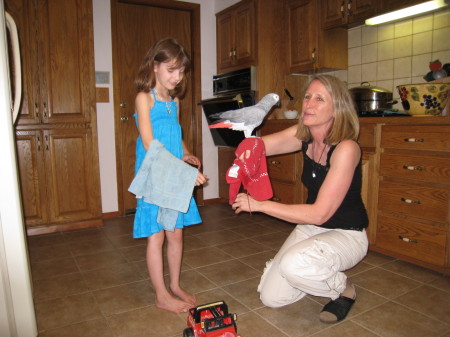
370	98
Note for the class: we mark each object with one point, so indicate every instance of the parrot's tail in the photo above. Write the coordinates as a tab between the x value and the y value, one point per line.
221	125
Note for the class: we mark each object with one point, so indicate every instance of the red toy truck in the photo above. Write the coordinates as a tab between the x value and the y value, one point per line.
211	320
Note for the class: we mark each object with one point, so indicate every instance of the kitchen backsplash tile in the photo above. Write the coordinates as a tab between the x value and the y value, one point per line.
397	53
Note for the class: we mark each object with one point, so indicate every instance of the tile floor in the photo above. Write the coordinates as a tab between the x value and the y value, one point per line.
94	283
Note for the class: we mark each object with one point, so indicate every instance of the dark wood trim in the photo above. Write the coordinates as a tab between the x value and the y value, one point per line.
110	215
31	231
214	201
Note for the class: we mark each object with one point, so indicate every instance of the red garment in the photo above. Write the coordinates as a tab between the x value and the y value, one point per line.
252	172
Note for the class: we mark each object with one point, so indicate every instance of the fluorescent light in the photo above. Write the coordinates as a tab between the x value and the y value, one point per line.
406	12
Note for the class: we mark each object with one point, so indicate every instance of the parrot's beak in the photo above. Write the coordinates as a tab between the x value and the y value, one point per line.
278	104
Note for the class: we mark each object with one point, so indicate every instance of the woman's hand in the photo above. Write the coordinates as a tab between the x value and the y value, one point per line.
201	179
191	159
245	203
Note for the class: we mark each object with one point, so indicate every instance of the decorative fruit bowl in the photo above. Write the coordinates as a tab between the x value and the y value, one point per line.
425	99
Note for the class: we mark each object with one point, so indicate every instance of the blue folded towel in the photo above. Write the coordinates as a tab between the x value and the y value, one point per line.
166	181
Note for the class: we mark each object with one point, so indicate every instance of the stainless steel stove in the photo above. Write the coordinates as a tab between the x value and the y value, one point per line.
383	113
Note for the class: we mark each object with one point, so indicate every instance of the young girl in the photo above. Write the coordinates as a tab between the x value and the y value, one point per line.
160	81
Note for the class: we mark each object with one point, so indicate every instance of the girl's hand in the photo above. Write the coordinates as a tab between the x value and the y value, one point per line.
201	179
245	203
191	159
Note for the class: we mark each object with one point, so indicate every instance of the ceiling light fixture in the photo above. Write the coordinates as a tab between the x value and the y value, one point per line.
407	12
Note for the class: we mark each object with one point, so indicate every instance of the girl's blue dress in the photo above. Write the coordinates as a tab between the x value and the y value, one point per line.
167	130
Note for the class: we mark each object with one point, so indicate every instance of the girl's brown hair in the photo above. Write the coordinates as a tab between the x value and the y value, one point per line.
164	50
346	123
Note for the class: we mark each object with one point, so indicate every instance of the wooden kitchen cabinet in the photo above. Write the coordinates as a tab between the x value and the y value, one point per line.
414	194
385	6
236	36
56	130
309	47
347	13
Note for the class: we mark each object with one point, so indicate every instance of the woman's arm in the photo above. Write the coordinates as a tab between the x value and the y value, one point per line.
143	104
283	141
342	166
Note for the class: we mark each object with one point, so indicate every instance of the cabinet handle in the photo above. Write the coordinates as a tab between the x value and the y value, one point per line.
39	143
231	53
275	162
313	55
234	53
124	119
36	110
349	8
342	9
46	142
45	109
409	201
413	168
414	140
276	199
403	238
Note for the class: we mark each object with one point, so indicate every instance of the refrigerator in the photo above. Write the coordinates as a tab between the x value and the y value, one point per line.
17	315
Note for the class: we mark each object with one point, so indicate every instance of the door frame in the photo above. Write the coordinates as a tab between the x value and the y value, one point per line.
196	117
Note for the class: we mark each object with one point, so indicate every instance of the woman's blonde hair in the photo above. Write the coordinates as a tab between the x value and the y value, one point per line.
346	123
164	50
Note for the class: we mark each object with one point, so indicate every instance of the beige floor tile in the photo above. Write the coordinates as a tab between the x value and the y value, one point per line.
54	267
126	240
194	282
135	253
59	286
298	319
384	283
272	240
45	240
205	256
391	319
86	247
118	226
442	282
46	252
258	261
148	322
345	329
99	260
126	297
218	294
219	237
252	230
360	267
91	328
250	324
228	272
242	248
377	259
84	235
429	301
246	292
111	276
65	311
191	243
412	271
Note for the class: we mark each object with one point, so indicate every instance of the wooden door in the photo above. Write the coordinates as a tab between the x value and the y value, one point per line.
136	26
245	39
225	41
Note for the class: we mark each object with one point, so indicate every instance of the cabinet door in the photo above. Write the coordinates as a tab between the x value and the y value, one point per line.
245	34
225	41
360	10
66	60
22	12
335	13
71	173
30	154
302	31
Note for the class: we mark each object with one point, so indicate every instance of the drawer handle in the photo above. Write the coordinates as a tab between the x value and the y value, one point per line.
414	140
275	162
409	201
413	168
276	199
403	238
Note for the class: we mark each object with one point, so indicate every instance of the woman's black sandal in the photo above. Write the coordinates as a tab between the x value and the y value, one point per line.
339	307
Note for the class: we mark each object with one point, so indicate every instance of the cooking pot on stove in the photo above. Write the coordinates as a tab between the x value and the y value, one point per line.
370	98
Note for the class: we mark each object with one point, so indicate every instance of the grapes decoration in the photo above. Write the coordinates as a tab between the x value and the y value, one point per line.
431	101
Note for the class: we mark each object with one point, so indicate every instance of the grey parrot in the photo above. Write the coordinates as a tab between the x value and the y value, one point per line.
245	119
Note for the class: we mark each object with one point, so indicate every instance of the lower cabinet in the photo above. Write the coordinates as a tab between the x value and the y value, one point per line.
58	178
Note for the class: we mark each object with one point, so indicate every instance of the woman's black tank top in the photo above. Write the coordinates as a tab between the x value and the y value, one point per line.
351	214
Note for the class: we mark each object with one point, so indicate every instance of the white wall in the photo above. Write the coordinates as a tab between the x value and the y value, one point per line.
105	111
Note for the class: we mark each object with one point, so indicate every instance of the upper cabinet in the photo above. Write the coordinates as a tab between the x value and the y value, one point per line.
309	47
339	13
236	36
54	32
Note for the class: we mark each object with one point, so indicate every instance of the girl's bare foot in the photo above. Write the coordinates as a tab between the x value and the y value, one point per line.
184	295
172	304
